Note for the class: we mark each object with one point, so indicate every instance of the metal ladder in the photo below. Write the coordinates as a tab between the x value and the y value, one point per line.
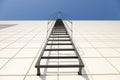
59	34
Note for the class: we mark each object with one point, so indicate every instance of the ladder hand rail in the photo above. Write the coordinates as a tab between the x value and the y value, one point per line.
67	19
50	27
51	19
69	29
63	16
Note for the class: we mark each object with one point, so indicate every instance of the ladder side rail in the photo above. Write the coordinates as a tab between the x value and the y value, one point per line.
51	22
37	65
81	65
42	52
80	61
50	28
70	28
69	20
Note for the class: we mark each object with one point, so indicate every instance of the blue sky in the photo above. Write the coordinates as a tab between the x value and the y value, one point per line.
75	9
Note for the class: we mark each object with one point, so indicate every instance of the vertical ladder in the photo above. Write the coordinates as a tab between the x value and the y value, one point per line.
60	35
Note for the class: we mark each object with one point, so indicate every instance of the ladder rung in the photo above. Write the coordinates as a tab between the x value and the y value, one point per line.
59	49
59	40
59	66
59	44
59	28
58	34
59	37
56	29
60	57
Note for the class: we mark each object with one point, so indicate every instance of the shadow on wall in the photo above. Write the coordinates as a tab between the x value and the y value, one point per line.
2	26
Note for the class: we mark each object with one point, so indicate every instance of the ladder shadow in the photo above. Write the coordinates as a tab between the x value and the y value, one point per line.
85	76
43	77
